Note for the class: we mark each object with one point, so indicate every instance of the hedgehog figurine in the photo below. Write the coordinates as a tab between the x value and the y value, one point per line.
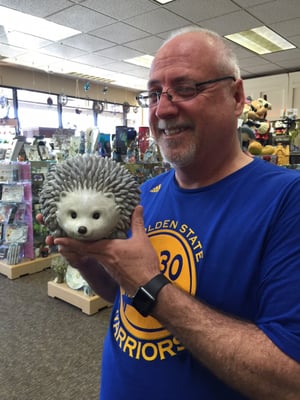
87	197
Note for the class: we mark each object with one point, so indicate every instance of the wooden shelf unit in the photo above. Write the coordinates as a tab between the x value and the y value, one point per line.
26	267
88	304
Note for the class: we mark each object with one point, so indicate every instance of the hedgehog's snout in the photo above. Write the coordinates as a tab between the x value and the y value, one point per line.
82	230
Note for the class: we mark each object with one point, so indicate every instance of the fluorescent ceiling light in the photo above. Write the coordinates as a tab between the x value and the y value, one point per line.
261	40
13	20
163	1
31	32
143	61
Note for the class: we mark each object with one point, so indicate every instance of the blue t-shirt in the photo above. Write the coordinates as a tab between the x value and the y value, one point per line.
235	245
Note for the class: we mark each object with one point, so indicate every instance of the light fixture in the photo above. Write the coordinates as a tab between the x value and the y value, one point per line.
18	21
142	61
20	28
261	40
163	1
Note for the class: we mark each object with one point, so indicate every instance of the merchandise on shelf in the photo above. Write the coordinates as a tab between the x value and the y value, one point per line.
15	212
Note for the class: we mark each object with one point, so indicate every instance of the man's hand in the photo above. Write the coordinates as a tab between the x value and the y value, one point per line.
130	262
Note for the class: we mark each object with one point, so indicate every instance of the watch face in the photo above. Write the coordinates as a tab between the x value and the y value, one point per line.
143	302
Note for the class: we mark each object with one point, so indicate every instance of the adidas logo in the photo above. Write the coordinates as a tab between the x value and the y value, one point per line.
156	189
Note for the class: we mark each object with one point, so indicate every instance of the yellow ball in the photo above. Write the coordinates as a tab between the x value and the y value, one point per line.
255	148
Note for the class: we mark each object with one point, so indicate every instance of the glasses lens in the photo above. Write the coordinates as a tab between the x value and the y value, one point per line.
148	99
178	93
143	99
183	92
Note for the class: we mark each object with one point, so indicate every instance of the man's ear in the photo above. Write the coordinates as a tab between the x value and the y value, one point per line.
239	96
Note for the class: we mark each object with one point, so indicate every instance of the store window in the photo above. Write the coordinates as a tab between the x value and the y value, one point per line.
77	113
8	125
6	103
36	110
111	117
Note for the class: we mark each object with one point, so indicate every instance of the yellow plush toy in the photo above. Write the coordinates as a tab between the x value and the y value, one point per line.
254	115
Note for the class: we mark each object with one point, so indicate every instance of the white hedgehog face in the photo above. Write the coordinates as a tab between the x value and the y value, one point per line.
87	215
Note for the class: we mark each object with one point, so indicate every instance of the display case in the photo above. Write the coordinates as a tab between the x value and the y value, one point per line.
17	256
15	212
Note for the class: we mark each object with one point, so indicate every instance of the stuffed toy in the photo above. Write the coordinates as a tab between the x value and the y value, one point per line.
255	117
87	197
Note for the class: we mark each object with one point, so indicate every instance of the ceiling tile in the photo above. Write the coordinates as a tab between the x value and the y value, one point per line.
276	11
148	45
287	28
259	69
87	42
119	33
120	66
231	23
60	50
196	10
38	8
290	65
119	53
295	40
244	73
252	62
250	3
121	9
142	72
81	18
283	55
93	60
157	21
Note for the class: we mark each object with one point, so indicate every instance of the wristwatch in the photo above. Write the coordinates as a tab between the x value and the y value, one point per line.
145	298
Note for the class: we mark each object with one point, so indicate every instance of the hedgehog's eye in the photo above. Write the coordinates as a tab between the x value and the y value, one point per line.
96	215
73	214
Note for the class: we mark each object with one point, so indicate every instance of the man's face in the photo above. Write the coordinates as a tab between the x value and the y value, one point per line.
192	129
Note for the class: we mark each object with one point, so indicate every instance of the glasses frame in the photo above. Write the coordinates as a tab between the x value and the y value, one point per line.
145	95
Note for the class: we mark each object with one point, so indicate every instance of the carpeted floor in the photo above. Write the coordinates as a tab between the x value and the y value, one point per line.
49	349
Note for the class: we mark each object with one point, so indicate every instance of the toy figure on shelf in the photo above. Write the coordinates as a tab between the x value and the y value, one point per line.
143	140
133	152
246	136
283	154
255	117
82	143
120	144
102	145
152	154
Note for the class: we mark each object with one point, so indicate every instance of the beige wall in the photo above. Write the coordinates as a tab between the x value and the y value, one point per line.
283	92
56	84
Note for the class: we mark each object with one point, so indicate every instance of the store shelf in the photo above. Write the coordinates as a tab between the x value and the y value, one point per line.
26	267
88	304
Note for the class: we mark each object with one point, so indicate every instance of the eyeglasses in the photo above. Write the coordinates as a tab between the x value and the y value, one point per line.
181	92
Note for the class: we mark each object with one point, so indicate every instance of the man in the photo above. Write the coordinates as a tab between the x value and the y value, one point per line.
209	301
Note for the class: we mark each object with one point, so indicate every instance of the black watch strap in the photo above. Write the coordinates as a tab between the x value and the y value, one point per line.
145	298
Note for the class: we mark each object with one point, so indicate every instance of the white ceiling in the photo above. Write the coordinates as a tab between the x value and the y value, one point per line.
115	30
